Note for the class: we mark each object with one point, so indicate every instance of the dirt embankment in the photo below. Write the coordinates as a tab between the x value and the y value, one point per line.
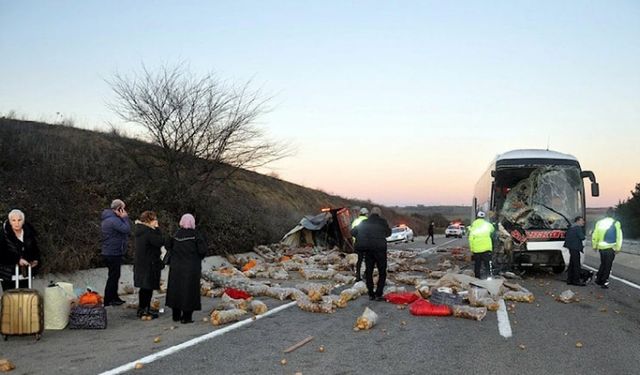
63	177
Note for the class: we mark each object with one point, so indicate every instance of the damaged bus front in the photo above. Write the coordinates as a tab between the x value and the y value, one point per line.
532	197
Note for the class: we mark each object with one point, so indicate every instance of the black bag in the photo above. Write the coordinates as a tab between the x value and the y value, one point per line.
88	317
444	298
585	275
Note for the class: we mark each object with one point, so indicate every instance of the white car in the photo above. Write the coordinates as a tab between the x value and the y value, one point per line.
454	231
401	233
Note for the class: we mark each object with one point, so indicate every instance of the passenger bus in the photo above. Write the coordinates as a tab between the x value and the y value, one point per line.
532	197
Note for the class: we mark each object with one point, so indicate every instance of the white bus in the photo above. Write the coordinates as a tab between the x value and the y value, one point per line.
532	197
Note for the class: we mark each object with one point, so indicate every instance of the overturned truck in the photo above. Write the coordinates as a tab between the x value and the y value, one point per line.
329	228
532	197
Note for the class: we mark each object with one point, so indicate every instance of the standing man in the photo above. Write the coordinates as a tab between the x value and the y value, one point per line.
607	239
371	238
362	217
481	245
430	234
115	230
573	242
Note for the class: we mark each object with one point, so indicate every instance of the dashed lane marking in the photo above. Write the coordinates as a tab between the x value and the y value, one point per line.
174	349
504	327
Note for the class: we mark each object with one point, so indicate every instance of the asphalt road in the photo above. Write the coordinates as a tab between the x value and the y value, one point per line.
545	334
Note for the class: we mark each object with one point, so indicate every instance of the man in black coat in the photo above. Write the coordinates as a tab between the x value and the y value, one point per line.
371	238
573	242
430	234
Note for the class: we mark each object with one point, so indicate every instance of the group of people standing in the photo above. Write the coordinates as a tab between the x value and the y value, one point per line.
185	250
606	240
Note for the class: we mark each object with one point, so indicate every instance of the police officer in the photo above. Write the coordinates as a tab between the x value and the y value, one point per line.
362	217
607	239
480	244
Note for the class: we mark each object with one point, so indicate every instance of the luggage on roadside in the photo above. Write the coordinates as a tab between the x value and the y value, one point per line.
57	305
88	317
22	310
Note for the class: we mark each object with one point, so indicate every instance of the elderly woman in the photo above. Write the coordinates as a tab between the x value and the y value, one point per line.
147	264
17	246
187	248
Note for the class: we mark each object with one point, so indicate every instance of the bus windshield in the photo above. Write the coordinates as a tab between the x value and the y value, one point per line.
545	197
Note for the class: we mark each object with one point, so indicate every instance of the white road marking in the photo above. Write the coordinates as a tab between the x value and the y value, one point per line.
503	320
633	285
435	247
192	342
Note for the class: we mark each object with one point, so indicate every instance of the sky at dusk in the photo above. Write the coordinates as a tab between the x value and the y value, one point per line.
399	102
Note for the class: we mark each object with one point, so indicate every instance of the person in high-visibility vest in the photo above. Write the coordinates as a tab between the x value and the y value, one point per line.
481	245
362	217
607	240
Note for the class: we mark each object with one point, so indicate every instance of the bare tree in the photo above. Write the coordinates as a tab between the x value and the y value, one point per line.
206	128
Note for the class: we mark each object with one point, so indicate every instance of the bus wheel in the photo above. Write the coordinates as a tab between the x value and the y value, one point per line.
557	269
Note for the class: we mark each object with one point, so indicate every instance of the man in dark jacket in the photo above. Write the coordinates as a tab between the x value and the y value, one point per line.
573	242
115	230
430	234
371	238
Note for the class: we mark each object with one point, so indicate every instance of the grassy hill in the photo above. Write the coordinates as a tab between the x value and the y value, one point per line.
63	177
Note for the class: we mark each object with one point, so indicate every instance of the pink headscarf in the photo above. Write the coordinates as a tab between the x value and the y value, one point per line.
188	221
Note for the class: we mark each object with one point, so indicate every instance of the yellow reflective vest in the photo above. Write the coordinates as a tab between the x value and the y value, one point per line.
599	238
480	236
357	221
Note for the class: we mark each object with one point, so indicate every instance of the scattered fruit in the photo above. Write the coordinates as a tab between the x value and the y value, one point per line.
157	339
578	344
522	347
283	361
139	365
321	349
6	365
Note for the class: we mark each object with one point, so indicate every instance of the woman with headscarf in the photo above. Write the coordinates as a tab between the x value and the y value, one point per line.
147	264
186	250
18	246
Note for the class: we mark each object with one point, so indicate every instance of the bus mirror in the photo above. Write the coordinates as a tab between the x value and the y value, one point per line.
595	189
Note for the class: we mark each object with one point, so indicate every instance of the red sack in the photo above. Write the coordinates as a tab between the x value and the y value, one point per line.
401	298
423	307
237	293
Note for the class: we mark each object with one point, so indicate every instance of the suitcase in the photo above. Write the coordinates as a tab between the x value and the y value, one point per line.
88	317
22	311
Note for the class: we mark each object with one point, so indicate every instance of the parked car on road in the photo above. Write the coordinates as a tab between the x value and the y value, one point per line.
401	233
454	231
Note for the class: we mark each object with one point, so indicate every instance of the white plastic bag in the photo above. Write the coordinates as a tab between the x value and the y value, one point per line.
367	320
57	305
